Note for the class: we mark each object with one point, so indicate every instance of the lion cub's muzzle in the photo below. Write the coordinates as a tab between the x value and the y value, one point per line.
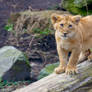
65	34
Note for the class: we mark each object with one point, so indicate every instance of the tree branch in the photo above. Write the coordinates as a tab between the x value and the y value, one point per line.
62	82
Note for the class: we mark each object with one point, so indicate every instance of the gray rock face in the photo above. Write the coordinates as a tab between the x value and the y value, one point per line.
14	65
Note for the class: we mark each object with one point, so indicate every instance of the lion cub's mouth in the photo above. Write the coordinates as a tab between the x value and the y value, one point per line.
65	36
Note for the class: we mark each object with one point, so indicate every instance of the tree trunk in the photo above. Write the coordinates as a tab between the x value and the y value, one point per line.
62	82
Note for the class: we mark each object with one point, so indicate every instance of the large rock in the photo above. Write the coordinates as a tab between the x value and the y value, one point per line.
14	65
78	6
47	70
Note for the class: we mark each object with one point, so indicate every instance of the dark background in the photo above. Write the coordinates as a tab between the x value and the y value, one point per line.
9	6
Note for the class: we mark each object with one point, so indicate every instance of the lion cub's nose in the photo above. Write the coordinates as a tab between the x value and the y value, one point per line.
65	34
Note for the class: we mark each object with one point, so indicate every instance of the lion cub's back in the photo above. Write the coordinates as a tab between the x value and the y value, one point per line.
87	24
87	19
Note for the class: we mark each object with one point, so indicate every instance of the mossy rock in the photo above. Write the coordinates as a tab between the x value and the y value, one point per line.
14	65
78	6
47	70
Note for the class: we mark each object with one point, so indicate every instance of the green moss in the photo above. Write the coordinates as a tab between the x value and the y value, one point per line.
22	59
26	59
47	70
16	68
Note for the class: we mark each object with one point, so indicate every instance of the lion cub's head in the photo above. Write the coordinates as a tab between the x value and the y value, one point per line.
65	25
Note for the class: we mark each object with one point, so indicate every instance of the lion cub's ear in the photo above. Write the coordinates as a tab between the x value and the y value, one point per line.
55	18
76	19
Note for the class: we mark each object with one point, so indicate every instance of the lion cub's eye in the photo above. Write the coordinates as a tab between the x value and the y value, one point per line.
61	25
70	26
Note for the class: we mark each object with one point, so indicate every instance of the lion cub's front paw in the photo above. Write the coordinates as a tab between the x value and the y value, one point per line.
71	70
59	70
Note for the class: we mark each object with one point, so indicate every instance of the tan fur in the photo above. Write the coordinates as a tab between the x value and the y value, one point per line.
78	39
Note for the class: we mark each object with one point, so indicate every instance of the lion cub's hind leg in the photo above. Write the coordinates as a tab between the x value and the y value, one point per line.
84	55
90	57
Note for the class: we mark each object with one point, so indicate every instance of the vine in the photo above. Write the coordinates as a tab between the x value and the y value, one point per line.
86	6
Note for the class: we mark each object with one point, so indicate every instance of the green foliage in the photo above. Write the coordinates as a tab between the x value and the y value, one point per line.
47	70
6	83
24	58
78	6
46	31
9	27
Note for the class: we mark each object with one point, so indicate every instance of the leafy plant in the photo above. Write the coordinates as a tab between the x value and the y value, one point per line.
81	7
6	83
46	31
9	27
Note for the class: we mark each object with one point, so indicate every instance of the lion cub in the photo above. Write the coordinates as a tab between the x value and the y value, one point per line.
73	33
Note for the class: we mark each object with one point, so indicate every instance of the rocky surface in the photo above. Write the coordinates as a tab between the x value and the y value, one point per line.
13	65
47	70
